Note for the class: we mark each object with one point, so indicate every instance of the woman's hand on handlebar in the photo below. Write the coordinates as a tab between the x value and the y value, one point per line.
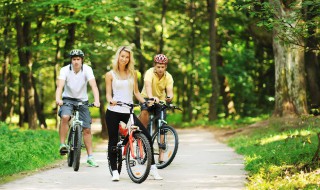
113	103
96	104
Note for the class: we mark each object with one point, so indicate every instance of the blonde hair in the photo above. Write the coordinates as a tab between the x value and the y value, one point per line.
129	66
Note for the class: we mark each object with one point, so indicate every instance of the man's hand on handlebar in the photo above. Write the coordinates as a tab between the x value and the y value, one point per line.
59	102
168	99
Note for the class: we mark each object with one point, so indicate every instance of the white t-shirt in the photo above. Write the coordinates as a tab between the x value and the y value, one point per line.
122	90
76	83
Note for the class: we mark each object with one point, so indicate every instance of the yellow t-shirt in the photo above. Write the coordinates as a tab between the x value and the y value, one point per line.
158	85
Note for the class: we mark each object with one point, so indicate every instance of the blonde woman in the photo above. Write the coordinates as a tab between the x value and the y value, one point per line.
121	85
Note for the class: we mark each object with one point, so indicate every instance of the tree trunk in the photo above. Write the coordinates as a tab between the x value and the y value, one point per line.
311	61
38	103
191	75
290	92
39	107
137	42
5	99
21	103
213	107
56	66
25	59
163	24
69	40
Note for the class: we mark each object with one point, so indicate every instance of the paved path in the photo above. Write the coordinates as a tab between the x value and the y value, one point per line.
201	163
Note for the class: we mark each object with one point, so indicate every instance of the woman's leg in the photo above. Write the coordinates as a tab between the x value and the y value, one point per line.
112	121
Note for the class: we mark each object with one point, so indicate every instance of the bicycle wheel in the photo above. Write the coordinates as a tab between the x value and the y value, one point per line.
119	161
70	149
165	143
138	168
77	148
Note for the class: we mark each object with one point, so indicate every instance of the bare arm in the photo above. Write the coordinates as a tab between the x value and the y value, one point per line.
136	90
169	91
108	80
60	85
95	91
148	86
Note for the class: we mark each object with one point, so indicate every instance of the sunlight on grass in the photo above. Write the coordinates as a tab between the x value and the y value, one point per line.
273	139
279	156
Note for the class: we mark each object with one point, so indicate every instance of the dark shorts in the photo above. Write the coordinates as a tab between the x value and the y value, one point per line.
84	113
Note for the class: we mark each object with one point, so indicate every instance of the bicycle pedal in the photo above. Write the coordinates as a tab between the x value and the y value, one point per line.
162	146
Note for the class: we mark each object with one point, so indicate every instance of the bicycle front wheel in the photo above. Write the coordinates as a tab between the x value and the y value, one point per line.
70	148
165	146
138	159
77	147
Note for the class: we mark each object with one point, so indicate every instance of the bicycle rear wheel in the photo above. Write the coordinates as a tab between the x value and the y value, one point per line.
70	148
119	161
139	167
166	145
77	147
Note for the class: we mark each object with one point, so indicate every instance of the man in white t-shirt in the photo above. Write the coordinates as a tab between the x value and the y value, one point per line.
73	80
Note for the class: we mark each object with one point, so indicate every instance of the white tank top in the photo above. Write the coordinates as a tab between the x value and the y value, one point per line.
122	91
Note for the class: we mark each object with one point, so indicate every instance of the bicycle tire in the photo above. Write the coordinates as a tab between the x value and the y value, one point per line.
70	149
170	146
77	147
138	168
119	162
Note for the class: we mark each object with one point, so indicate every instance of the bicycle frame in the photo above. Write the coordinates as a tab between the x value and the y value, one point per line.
157	119
75	136
131	129
164	138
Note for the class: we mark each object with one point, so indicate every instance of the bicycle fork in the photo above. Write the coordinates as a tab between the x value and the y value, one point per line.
140	146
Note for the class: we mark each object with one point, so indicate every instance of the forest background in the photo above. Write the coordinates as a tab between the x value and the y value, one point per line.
229	59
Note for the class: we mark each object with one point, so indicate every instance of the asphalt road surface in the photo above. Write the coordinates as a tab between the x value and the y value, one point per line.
201	163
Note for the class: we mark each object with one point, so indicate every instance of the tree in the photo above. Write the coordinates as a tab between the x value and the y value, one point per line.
213	114
290	97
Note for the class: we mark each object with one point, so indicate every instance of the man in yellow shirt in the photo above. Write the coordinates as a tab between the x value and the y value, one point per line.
158	84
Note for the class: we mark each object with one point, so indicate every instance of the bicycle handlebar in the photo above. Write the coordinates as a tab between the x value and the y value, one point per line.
79	104
119	103
168	105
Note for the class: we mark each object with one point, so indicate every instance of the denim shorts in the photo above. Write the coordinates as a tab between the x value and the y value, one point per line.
84	113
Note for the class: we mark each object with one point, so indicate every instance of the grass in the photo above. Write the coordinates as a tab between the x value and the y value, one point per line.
279	155
26	150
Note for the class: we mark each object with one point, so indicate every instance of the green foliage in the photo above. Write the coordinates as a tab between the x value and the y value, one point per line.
26	150
291	27
279	153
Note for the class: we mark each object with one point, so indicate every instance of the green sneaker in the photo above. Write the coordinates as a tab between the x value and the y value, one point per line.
63	149
92	163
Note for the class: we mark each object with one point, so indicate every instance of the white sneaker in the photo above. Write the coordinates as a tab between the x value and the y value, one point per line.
115	175
154	173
